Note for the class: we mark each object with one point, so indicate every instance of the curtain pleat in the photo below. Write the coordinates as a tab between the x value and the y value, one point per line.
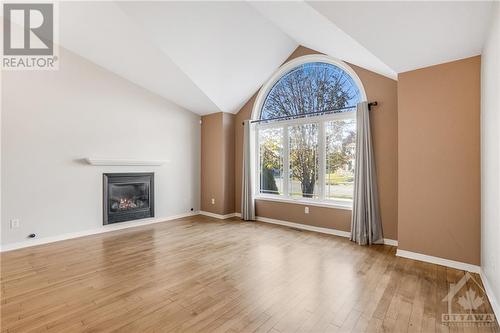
366	225
247	188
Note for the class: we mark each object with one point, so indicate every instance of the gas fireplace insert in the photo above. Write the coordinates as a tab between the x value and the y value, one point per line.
127	196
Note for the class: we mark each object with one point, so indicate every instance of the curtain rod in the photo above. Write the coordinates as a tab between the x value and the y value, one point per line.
370	106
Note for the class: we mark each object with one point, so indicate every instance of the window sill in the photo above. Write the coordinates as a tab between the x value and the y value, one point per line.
338	204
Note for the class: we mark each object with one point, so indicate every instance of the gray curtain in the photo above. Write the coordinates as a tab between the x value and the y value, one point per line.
247	200
366	225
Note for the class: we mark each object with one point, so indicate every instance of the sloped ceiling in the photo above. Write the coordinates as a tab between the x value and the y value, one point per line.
311	29
226	48
407	35
213	56
102	33
204	56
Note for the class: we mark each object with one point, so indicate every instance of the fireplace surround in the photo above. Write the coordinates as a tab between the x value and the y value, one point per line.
127	196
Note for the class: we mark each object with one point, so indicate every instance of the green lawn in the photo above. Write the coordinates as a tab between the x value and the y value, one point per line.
335	179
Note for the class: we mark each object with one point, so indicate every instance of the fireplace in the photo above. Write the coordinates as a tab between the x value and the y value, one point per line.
128	196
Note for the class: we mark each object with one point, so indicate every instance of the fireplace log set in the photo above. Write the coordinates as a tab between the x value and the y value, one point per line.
127	196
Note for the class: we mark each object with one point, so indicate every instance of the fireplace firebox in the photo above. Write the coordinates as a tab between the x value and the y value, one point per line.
128	196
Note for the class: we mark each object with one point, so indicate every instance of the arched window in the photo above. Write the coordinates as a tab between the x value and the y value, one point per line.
306	132
313	87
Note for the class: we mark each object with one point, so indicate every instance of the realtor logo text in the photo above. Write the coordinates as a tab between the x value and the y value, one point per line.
28	36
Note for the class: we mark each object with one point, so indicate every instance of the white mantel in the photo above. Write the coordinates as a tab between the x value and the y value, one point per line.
124	162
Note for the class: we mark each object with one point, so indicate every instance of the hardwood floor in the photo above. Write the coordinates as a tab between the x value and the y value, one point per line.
199	274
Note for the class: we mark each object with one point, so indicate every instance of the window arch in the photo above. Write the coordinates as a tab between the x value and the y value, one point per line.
304	151
312	87
303	67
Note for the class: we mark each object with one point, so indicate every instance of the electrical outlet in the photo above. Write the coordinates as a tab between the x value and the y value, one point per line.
213	201
306	210
14	223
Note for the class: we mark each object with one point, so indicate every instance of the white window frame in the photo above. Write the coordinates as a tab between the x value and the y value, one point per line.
321	120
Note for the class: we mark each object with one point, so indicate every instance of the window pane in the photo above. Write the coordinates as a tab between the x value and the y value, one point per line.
310	88
340	152
303	160
271	160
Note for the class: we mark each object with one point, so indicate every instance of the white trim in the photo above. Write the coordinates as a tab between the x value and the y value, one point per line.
117	162
495	305
308	120
439	261
391	242
330	231
286	163
285	68
322	159
255	161
320	121
305	227
103	229
217	216
337	204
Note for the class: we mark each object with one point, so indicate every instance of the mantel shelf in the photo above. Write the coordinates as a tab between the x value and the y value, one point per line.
118	162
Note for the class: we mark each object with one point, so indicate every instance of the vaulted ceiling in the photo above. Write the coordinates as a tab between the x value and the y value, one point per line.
213	56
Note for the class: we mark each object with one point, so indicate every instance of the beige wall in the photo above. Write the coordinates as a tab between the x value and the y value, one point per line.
228	126
211	163
324	217
217	163
384	127
439	178
426	141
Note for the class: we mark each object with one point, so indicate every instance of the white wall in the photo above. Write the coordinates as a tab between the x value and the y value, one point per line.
490	161
53	119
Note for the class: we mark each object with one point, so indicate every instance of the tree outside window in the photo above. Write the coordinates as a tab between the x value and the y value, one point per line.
310	88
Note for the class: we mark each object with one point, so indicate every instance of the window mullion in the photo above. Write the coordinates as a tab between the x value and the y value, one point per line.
257	161
286	161
321	160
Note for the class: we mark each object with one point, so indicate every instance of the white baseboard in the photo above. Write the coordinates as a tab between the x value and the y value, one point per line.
305	227
329	231
125	225
217	216
491	295
391	242
439	261
103	229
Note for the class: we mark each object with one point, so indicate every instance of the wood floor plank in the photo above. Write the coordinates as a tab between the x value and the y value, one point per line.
200	274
